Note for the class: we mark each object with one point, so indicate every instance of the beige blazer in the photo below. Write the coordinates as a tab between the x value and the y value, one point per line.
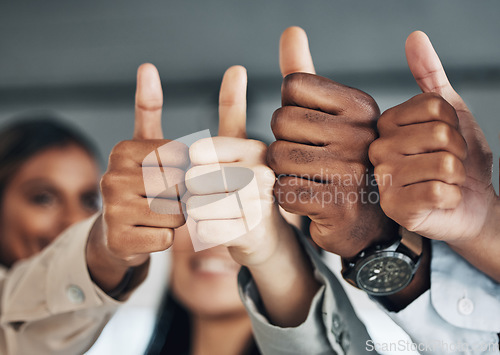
49	304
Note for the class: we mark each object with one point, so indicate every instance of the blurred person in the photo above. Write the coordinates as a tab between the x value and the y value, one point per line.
49	180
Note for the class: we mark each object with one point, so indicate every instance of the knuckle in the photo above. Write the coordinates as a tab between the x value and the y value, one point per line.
385	119
204	231
197	150
192	205
381	171
274	155
265	174
438	108
376	152
122	147
111	213
262	170
281	192
434	194
165	238
441	133
369	106
109	181
258	148
192	173
177	220
116	158
277	119
121	153
292	83
448	164
430	97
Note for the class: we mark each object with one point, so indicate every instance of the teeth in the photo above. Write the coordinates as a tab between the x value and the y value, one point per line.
215	265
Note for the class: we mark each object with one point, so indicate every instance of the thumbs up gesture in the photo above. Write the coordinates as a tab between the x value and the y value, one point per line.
323	131
243	215
235	208
129	230
432	161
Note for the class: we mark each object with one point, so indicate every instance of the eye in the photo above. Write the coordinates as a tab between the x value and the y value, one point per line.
43	199
91	201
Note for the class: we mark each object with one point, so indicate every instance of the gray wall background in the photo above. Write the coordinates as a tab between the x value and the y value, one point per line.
78	59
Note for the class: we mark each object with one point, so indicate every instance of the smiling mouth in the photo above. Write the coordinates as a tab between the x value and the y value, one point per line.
214	265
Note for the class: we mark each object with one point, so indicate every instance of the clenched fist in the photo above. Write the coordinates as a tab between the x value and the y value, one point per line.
323	131
433	165
129	229
236	210
436	154
232	204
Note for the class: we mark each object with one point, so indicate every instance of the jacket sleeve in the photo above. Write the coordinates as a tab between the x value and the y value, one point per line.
49	304
461	311
331	327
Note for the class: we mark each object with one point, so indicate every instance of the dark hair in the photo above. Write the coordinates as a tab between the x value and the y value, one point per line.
21	140
172	334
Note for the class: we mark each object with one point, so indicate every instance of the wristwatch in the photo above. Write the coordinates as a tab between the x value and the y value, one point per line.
383	270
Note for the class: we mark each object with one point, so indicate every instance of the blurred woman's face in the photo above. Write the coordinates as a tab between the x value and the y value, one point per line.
205	281
52	190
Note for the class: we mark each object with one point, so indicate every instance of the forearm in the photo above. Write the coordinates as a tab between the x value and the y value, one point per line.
482	252
286	282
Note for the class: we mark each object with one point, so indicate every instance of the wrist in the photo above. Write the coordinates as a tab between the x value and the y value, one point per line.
488	232
106	269
263	244
394	273
281	249
286	282
420	283
381	230
482	251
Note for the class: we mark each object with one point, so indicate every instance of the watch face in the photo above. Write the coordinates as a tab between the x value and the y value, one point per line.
385	273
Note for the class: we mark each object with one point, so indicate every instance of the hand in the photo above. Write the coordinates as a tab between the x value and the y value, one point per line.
266	244
432	161
129	230
249	213
433	165
323	132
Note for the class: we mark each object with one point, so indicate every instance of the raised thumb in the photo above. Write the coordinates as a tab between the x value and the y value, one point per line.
233	103
294	52
148	103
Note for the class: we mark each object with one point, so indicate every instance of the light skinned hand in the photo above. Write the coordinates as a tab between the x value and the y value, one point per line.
256	217
267	244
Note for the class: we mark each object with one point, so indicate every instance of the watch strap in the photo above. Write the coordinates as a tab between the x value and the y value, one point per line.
411	241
